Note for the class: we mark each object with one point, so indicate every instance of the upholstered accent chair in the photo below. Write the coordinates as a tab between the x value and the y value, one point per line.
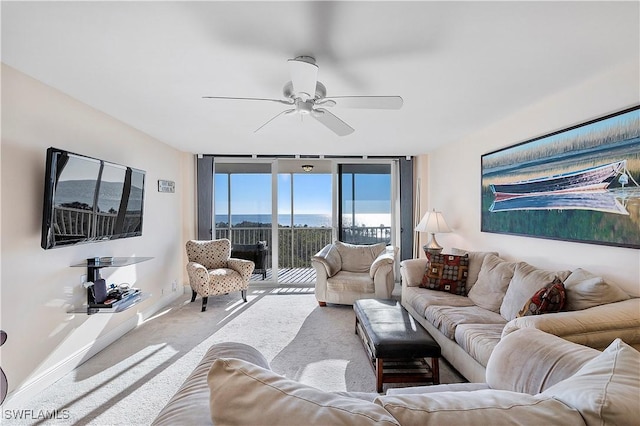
213	271
348	272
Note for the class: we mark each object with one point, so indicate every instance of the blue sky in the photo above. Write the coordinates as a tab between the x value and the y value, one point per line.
251	194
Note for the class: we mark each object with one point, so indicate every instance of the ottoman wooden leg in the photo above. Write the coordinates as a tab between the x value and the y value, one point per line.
379	373
435	370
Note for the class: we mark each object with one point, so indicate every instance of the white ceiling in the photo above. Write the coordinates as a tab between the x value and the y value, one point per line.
459	66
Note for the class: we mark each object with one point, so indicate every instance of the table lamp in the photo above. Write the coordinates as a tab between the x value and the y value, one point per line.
433	222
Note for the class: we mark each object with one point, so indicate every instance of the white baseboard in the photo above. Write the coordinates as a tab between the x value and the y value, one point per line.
19	398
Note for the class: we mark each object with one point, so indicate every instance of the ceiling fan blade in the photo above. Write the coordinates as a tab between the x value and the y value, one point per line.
280	101
336	125
286	111
304	75
368	102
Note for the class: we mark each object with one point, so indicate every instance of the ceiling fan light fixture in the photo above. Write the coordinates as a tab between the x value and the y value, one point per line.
307	167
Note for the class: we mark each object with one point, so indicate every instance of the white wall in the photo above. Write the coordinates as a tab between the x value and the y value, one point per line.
454	179
38	286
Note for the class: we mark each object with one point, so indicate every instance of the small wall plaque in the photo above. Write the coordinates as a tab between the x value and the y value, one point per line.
166	186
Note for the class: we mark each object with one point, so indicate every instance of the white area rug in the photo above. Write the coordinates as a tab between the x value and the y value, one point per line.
129	382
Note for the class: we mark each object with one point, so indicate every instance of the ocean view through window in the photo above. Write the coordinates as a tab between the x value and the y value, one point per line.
300	223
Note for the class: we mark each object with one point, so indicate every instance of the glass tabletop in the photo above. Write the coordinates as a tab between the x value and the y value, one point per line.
105	262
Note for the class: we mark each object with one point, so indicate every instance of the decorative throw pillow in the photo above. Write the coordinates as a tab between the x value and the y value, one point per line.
446	272
550	298
527	279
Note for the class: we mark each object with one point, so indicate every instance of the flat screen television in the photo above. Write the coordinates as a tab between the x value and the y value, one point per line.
89	200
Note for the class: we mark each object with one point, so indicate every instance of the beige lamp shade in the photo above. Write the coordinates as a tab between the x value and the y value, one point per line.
433	222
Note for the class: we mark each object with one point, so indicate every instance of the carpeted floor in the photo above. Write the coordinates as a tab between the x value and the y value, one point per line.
130	381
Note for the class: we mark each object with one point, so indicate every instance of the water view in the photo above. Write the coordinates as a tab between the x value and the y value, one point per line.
305	220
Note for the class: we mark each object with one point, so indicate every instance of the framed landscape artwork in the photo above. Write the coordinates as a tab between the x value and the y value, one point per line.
578	184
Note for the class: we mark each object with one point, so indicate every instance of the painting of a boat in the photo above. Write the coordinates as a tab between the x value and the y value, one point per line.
602	201
577	184
590	179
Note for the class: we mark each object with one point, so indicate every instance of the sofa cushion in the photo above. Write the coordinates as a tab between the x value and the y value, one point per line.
351	281
585	290
478	340
446	272
358	258
243	393
447	318
550	298
480	407
527	279
493	280
475	263
606	390
420	298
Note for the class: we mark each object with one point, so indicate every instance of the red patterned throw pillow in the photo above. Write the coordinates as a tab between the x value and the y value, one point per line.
446	272
550	298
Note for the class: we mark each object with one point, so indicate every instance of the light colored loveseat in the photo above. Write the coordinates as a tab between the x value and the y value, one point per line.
348	272
468	328
533	378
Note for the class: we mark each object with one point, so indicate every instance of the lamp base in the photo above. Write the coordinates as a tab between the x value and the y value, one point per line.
428	250
432	246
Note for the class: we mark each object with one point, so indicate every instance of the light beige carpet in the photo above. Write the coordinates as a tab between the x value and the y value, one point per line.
130	381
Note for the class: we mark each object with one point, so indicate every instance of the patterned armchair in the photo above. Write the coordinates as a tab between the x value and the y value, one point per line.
212	271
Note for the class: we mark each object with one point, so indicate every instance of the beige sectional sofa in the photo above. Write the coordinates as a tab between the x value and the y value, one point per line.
468	328
533	378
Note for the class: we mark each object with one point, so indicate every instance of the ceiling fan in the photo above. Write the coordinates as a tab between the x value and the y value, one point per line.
308	96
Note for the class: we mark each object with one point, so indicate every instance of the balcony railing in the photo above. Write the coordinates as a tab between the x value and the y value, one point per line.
71	223
297	245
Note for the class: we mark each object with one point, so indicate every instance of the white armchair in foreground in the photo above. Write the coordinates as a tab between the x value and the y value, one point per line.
348	272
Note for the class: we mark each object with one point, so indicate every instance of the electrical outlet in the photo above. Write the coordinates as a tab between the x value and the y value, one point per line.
162	291
174	285
83	279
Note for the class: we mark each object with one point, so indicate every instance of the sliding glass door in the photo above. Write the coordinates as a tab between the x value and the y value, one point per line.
304	212
366	204
297	206
242	203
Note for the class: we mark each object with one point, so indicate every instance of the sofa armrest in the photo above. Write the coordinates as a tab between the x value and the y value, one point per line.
445	387
190	404
198	275
412	271
243	267
549	360
329	258
595	327
387	257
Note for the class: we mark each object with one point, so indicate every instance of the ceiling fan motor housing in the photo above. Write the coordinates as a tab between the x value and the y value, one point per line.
304	107
288	91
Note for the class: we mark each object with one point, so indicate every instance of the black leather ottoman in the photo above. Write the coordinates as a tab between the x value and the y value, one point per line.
397	344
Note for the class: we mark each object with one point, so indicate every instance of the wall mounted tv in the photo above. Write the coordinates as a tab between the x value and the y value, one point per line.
88	200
